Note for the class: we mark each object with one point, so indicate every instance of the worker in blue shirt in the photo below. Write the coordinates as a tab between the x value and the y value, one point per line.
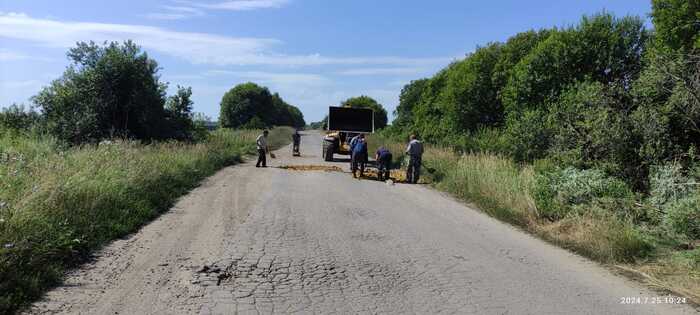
351	145
383	158
359	155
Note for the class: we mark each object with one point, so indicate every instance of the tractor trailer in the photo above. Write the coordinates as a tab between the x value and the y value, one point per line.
343	124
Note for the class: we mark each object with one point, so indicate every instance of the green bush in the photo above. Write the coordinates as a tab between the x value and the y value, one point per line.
592	130
484	140
668	184
529	135
682	217
253	123
16	118
557	192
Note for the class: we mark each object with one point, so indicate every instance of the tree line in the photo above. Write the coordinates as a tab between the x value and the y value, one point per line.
606	93
114	90
250	106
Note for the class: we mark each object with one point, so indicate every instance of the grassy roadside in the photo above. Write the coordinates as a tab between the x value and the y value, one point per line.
57	205
604	227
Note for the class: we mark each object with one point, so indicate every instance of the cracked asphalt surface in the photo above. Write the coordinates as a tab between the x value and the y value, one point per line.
264	241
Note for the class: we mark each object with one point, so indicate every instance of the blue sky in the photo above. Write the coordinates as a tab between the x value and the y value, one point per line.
315	53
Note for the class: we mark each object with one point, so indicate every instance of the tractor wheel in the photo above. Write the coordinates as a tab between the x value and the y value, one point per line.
328	153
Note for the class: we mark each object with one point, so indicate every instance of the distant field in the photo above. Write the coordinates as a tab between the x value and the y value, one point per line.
58	205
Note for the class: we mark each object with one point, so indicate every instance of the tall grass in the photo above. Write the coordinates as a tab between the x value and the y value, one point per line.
58	204
495	183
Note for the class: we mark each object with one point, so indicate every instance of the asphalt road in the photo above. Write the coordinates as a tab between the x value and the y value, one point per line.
270	240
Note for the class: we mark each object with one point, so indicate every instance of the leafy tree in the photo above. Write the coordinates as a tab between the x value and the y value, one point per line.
285	114
179	110
244	102
601	48
282	113
469	95
110	90
297	117
251	106
254	123
514	50
430	110
667	94
592	128
380	114
667	116
410	97
677	23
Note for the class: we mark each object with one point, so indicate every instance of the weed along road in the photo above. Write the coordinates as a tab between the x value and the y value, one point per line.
274	240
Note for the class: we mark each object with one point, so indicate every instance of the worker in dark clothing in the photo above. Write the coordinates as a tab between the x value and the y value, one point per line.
415	155
359	156
296	140
351	145
383	158
263	149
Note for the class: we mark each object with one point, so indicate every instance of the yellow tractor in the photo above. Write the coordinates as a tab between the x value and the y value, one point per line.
343	124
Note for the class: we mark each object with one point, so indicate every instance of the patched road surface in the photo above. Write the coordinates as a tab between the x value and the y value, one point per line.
261	241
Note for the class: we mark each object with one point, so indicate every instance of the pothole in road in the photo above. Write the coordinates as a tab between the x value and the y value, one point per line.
325	168
263	280
395	176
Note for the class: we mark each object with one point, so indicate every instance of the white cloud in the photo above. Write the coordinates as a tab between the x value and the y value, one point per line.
239	5
382	71
198	48
190	9
175	13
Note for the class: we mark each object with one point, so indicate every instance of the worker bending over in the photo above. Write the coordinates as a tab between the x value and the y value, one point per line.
383	158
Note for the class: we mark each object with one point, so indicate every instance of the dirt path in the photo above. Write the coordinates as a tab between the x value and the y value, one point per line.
280	241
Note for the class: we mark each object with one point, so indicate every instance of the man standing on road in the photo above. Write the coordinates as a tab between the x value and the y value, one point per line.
296	139
351	145
383	158
359	155
415	155
262	149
